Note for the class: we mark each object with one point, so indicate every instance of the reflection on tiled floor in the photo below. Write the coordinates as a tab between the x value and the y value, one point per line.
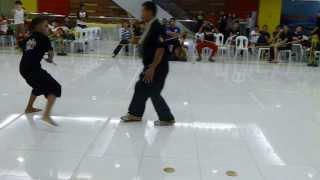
257	119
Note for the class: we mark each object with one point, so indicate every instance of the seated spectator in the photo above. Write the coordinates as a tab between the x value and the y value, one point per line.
182	50
125	39
282	41
300	37
254	36
173	34
3	25
207	42
60	34
52	26
232	38
264	37
69	23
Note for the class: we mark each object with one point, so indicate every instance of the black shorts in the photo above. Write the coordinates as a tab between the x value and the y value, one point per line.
42	83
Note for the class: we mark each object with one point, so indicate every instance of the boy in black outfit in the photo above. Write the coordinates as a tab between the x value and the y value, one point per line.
155	54
42	83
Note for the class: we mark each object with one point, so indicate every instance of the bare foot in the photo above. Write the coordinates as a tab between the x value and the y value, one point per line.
49	121
32	110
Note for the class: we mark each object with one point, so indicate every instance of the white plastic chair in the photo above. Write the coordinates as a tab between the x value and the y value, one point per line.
261	50
286	52
299	51
219	39
7	40
2	40
220	43
226	48
200	37
242	44
81	38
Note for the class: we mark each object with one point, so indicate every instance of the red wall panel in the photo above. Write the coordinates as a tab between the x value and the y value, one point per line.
241	7
54	6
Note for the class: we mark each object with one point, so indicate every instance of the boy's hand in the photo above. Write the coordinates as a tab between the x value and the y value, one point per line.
149	75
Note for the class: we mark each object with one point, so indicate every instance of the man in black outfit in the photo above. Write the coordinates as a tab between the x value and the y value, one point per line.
155	54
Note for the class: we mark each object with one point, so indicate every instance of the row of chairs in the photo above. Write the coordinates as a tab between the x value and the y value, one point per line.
86	38
242	45
7	40
226	48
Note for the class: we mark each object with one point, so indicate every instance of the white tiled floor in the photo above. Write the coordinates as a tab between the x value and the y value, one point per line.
257	119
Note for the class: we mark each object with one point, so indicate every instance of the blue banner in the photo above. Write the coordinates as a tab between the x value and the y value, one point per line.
300	12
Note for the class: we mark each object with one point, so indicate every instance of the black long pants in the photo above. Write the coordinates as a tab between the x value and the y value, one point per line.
119	47
144	91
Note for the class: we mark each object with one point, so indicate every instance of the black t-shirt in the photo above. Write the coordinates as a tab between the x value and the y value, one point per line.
286	36
264	37
208	33
156	38
34	49
209	36
298	35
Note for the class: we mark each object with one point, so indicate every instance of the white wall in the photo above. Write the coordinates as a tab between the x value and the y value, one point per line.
134	8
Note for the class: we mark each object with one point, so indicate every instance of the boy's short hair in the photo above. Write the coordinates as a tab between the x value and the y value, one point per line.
151	6
18	2
36	21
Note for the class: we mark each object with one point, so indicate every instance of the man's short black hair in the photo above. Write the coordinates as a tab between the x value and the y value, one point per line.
18	2
151	6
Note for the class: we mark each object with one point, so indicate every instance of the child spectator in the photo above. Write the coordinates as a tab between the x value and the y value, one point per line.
126	35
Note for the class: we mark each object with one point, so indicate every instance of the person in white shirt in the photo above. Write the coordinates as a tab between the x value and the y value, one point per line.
18	13
254	35
3	25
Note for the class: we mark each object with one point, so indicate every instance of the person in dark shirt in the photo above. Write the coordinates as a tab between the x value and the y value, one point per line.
298	33
209	42
264	37
155	54
42	83
222	24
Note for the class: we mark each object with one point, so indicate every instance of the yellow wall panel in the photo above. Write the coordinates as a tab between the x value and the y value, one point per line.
270	13
30	5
